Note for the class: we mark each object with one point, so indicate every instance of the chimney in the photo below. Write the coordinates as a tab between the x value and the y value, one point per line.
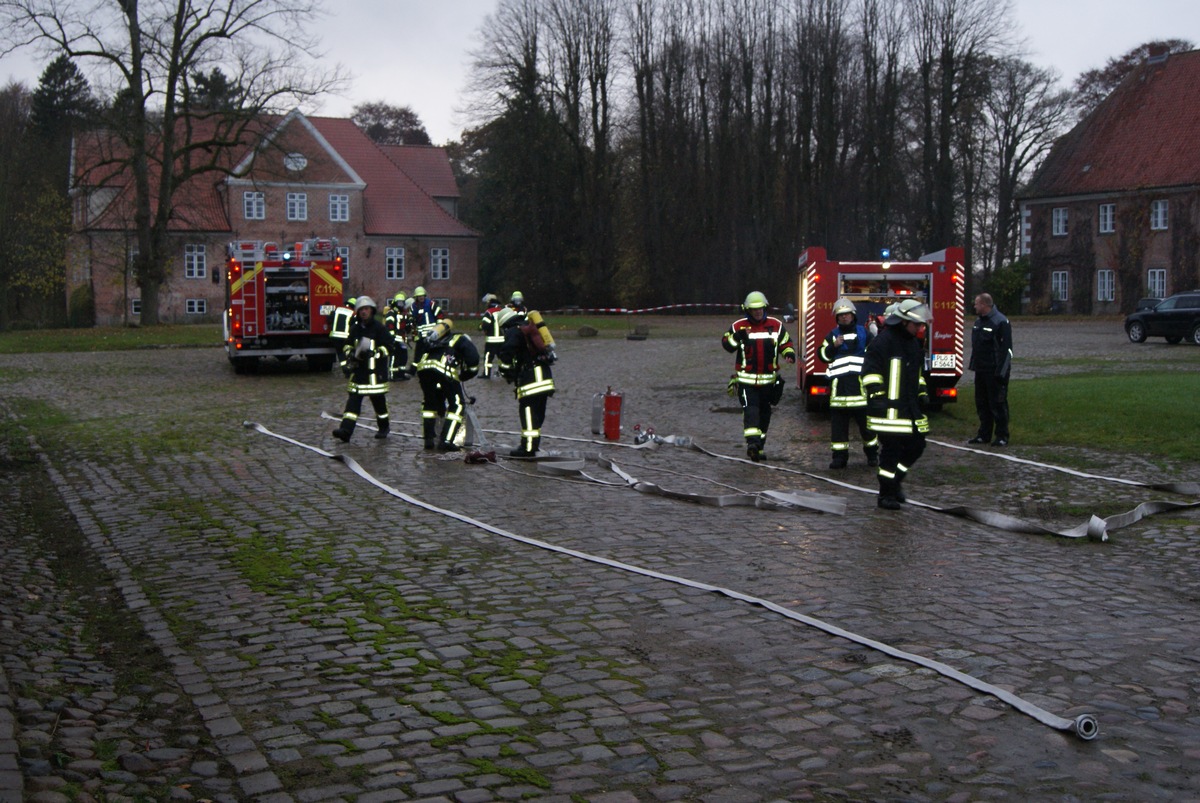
1157	53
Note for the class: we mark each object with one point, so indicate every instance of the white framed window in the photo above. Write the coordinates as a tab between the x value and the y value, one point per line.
439	263
254	205
195	261
195	306
297	206
1059	289
1106	215
135	306
1156	282
339	208
344	252
393	262
1105	285
1158	215
444	303
1058	221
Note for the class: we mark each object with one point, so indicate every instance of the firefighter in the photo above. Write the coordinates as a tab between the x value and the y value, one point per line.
759	341
423	315
893	379
490	327
525	358
365	360
517	302
396	321
843	349
448	360
991	360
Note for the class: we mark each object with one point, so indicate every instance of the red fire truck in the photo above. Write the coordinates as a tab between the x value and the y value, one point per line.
278	302
936	279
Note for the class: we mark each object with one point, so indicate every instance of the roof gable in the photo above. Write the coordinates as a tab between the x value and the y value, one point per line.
393	203
295	151
1145	134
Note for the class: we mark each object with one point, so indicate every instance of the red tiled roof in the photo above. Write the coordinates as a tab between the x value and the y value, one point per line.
1146	134
427	165
392	203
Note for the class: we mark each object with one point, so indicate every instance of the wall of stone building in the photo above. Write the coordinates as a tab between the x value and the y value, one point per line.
1130	251
104	255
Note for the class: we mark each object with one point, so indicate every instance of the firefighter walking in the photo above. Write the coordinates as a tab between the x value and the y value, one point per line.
448	360
525	360
843	349
366	359
758	341
493	337
423	315
894	381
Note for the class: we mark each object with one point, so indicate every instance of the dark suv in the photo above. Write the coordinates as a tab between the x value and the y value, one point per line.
1174	318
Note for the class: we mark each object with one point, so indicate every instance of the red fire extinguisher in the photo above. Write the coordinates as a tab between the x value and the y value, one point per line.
612	415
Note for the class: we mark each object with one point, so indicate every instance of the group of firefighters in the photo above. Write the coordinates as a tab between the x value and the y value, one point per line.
876	380
375	351
876	374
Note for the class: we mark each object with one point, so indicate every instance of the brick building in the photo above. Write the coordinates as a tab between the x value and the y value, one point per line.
392	208
1113	213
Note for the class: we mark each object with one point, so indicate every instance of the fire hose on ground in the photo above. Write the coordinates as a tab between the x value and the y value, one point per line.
1085	725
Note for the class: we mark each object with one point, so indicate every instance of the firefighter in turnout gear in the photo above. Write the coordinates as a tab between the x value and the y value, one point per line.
366	356
396	321
843	349
448	360
759	341
493	337
525	359
423	315
894	381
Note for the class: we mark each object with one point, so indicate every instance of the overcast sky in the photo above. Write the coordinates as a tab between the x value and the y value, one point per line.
417	52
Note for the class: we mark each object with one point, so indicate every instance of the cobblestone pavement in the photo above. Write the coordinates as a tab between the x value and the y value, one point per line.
319	639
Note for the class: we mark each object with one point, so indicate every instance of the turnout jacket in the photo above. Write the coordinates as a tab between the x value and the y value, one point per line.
758	346
894	380
845	364
490	326
423	317
454	357
519	364
991	344
369	373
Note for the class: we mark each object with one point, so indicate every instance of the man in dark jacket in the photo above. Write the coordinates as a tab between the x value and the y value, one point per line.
991	360
894	381
366	360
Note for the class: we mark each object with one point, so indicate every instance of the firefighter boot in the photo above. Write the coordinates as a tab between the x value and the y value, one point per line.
344	431
384	426
840	458
446	444
887	494
430	432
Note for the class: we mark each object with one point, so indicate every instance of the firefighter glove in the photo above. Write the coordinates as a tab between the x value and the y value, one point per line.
731	388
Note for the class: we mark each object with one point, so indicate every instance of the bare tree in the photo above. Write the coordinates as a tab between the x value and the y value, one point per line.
1025	113
950	37
150	50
